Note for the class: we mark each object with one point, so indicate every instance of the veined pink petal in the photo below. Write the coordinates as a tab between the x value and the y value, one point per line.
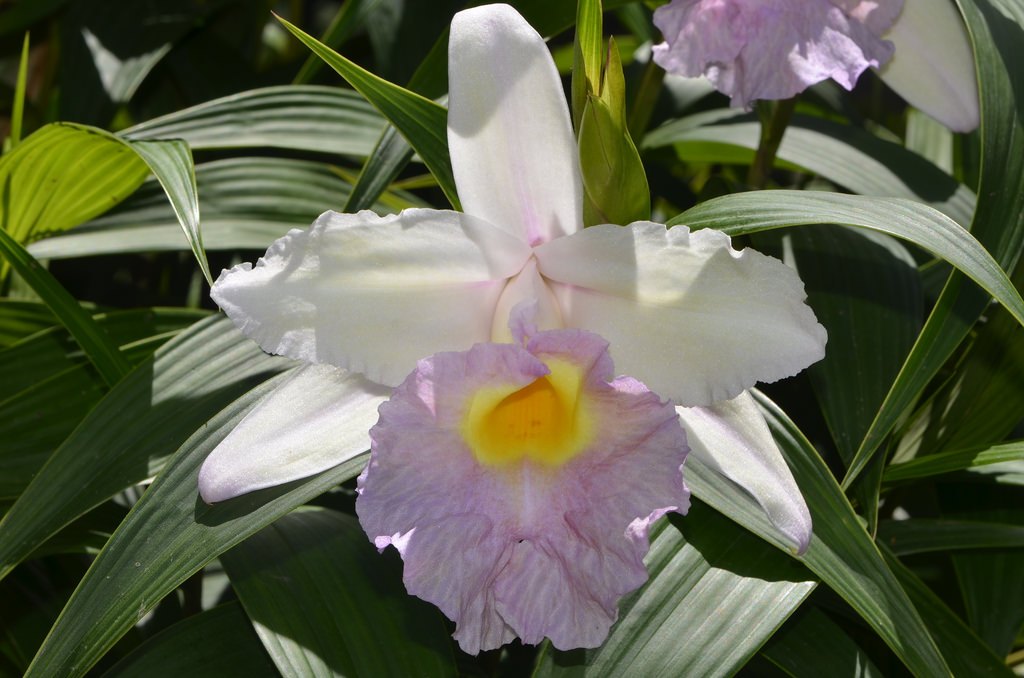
693	318
316	419
374	294
523	548
773	49
513	151
732	438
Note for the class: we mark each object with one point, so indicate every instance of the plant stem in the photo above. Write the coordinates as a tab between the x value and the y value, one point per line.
775	117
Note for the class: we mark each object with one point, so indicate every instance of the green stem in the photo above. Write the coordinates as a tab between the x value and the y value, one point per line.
775	117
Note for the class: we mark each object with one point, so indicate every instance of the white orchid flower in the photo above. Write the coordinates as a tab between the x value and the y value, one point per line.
361	298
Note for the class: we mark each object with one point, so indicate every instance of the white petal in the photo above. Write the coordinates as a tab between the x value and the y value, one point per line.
528	286
694	319
732	438
513	151
374	294
933	68
316	419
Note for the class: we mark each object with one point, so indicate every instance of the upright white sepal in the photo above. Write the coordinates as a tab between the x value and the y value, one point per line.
933	68
512	147
732	438
317	418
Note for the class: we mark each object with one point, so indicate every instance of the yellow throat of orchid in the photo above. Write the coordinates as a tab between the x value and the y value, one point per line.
546	421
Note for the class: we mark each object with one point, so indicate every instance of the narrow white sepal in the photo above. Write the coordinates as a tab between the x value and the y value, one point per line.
732	438
933	67
318	418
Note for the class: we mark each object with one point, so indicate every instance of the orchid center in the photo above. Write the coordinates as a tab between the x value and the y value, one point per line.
545	421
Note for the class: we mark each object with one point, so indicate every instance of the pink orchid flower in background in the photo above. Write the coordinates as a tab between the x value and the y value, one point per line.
422	301
775	49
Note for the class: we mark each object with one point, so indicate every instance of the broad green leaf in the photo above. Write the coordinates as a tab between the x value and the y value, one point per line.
920	535
841	552
755	211
20	319
300	118
169	535
995	27
171	163
247	204
588	48
391	154
325	602
843	154
50	387
130	434
422	122
698	564
955	460
856	280
965	652
97	346
214	643
930	139
62	175
811	645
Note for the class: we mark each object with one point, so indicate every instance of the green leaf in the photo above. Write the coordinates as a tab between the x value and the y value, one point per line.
247	204
130	434
102	353
810	645
955	460
856	280
351	16
587	57
62	175
422	122
325	602
755	211
20	318
217	642
841	552
995	27
171	162
169	535
300	118
698	563
920	535
965	652
389	157
843	154
18	107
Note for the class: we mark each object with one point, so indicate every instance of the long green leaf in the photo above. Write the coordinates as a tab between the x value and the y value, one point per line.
812	645
325	602
351	16
130	434
588	55
697	563
920	535
214	643
171	162
299	118
101	351
18	107
845	155
247	204
995	27
841	552
422	122
955	460
20	318
765	210
169	535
